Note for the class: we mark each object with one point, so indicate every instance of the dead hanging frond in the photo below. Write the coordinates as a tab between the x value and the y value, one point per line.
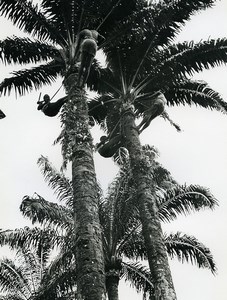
166	116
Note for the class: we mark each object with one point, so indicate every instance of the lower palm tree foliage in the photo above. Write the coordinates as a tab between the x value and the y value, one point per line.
123	241
24	276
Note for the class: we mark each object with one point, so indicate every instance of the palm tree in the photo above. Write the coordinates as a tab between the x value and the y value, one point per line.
23	276
54	26
51	273
129	86
122	223
122	236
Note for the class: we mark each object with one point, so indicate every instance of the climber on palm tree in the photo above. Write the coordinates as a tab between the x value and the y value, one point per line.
50	109
86	48
2	115
153	111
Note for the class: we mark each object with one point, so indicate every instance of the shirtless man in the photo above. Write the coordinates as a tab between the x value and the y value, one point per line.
48	108
156	108
87	43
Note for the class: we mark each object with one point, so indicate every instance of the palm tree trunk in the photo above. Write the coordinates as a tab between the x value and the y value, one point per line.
151	227
88	240
112	282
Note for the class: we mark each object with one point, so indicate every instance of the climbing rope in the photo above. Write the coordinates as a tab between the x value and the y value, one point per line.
56	92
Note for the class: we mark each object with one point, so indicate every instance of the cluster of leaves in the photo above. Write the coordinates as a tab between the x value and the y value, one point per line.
122	237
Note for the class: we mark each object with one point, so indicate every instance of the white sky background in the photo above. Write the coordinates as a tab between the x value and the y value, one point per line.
196	155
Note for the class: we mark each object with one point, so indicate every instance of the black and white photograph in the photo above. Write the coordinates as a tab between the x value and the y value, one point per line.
113	157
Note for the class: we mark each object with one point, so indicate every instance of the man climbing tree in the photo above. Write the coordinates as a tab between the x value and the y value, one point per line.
2	115
87	44
50	109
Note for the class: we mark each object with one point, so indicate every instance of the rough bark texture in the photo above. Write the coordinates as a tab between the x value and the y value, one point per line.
112	282
89	251
152	232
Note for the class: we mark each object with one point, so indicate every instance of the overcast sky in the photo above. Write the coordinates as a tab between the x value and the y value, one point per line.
196	155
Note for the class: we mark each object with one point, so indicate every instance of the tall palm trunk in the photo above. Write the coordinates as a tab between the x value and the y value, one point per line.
88	240
112	282
151	228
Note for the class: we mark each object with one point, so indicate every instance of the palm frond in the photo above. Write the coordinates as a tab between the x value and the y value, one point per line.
151	26
25	237
118	215
12	278
25	15
177	61
45	212
139	277
133	246
59	285
166	116
25	80
184	200
60	274
31	266
101	15
99	106
62	261
189	249
66	15
195	93
16	50
61	185
168	17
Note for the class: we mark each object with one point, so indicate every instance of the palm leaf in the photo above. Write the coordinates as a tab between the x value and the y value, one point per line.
184	200
31	266
45	212
26	15
139	276
152	25
62	261
189	249
12	278
169	17
60	274
133	247
57	181
195	93
66	15
24	50
28	79
118	215
60	284
157	22
161	176
69	17
179	60
25	237
99	106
